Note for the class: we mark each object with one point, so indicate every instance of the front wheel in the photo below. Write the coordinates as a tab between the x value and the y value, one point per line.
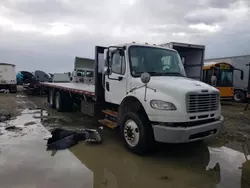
239	96
137	133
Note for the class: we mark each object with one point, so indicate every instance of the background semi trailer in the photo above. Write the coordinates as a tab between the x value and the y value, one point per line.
8	77
143	90
192	56
240	86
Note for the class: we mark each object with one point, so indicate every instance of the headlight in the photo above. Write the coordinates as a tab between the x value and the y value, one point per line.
162	105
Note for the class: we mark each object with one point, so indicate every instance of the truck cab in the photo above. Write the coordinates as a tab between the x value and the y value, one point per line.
83	75
155	100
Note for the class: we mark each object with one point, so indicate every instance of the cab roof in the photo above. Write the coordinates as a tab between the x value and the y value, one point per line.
211	64
145	45
7	64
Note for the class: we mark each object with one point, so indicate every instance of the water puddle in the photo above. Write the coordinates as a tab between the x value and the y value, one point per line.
25	162
176	166
110	165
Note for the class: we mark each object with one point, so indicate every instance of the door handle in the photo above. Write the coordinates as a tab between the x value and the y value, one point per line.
107	86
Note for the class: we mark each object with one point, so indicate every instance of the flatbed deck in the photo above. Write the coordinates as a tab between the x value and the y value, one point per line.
88	89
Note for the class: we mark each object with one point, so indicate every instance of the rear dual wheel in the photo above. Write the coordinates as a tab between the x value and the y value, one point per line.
60	100
51	98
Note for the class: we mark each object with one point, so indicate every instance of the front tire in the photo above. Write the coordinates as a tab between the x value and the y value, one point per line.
137	133
239	96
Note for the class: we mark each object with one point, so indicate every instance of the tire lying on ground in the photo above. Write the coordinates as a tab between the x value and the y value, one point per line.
137	133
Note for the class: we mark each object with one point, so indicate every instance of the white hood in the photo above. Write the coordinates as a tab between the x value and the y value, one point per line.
181	84
177	87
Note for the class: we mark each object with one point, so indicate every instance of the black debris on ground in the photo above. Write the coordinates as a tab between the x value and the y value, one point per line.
62	139
13	128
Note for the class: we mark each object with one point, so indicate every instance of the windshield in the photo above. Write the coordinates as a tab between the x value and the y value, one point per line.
224	77
80	73
155	61
89	74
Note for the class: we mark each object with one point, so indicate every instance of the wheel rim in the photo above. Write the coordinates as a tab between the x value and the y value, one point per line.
237	97
57	100
131	133
51	98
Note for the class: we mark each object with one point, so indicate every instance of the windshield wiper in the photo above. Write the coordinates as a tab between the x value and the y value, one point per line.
153	73
174	74
165	74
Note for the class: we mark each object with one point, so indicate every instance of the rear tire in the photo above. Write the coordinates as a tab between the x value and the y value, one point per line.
13	89
239	96
137	133
51	98
58	102
63	102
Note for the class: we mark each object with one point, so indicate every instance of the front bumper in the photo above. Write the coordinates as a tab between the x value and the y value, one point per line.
187	134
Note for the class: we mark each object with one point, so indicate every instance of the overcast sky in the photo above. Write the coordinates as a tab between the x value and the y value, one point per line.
48	34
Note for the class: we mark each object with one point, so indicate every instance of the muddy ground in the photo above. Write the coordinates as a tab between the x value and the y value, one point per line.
220	162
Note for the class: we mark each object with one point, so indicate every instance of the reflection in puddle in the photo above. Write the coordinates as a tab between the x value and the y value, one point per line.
174	166
22	125
234	166
189	165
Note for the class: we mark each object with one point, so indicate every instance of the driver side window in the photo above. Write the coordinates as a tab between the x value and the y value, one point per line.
118	64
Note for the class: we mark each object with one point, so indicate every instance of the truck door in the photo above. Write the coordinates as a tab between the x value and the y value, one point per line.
248	80
115	82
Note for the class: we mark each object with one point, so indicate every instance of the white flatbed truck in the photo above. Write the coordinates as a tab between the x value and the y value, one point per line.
143	90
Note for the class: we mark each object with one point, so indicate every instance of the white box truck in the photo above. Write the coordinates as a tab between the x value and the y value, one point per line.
192	56
8	77
143	90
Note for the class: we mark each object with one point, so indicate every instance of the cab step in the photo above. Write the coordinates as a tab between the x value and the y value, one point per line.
110	113
108	123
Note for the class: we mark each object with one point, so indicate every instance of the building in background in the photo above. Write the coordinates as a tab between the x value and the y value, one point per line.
241	87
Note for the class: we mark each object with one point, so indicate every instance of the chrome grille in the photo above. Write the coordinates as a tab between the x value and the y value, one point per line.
202	102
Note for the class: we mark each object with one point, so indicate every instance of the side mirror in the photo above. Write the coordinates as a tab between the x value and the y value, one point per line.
108	58
242	75
121	52
145	77
107	71
183	60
